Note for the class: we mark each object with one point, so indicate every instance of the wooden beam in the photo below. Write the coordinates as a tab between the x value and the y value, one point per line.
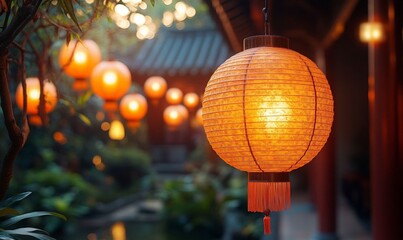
339	23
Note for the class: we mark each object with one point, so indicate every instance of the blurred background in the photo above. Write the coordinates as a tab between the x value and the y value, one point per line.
161	179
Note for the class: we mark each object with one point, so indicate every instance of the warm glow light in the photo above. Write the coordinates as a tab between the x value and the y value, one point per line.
181	7
133	108
123	23
267	110
143	32
175	115
122	10
110	80
119	231
59	138
105	126
96	160
174	96
167	18
371	32
191	100
138	19
179	16
155	87
100	116
78	59
143	5
33	96
167	2
117	131
190	12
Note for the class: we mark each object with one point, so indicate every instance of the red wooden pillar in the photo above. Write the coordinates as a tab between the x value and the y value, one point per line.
385	95
323	174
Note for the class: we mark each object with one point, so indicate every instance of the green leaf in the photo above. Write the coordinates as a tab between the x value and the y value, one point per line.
14	199
32	232
19	218
68	7
5	236
68	38
82	100
152	2
85	119
66	102
8	211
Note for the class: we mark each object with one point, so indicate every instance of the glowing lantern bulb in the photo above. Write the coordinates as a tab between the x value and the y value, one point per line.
119	231
110	80
33	98
371	32
133	108
191	100
174	96
117	130
155	87
174	116
78	59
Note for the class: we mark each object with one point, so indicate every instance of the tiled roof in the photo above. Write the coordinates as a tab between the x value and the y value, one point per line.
180	53
233	18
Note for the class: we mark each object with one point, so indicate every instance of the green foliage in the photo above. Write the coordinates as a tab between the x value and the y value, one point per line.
11	217
194	205
60	191
126	165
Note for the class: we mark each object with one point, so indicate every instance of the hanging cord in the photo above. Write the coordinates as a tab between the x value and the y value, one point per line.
265	11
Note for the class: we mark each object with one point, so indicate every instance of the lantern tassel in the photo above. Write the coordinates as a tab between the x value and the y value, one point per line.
266	225
268	191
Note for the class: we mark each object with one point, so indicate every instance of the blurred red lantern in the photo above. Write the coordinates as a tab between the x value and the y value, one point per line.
155	87
174	96
133	108
175	115
110	80
78	59
33	98
191	100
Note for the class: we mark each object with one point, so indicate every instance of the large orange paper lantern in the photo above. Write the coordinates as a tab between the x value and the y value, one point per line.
155	87
33	98
78	59
110	80
174	96
191	100
133	108
267	110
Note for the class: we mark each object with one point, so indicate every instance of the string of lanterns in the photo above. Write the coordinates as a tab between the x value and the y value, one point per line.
110	81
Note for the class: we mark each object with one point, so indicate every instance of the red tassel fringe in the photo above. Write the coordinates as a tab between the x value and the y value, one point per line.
274	196
266	225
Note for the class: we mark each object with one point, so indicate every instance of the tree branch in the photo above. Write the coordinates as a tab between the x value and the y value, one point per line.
23	16
17	135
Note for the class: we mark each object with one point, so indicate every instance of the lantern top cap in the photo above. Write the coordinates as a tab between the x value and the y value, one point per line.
265	41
